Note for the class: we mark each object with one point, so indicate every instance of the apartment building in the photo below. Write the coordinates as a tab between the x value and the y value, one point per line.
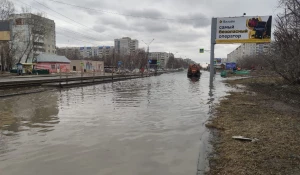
85	52
126	45
31	35
248	49
100	51
162	57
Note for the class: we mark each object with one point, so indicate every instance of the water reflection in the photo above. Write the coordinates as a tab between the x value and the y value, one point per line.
211	99
20	113
131	127
194	79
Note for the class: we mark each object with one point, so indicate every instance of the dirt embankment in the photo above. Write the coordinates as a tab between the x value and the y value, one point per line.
267	110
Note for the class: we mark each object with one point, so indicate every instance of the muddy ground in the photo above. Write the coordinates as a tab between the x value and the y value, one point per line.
264	108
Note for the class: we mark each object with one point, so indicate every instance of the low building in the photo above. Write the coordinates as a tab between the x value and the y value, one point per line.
53	63
87	66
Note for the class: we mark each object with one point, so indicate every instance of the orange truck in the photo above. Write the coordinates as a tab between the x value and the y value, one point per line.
194	70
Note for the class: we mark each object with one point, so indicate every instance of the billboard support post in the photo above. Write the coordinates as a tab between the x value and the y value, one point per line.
212	49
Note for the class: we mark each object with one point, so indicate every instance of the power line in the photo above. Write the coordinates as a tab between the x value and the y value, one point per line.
44	12
67	17
122	14
49	14
58	32
77	39
86	36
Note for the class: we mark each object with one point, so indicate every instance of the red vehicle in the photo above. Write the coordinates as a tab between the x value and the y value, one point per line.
194	70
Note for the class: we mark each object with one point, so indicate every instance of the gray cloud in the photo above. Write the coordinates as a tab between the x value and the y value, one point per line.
147	13
151	26
197	20
177	35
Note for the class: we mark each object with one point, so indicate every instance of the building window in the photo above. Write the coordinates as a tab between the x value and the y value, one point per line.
53	66
19	21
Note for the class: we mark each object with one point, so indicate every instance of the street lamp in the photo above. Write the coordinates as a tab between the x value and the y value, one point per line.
147	55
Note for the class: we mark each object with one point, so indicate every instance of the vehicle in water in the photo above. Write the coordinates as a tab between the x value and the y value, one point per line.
194	71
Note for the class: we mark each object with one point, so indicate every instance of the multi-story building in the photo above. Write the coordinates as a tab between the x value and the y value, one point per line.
85	52
161	57
105	51
248	49
126	45
31	35
101	51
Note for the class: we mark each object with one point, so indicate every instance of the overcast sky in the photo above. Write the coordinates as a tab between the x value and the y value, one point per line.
167	21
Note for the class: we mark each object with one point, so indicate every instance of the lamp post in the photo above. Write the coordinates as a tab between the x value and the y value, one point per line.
147	55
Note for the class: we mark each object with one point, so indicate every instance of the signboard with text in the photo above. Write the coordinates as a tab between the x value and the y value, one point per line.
245	29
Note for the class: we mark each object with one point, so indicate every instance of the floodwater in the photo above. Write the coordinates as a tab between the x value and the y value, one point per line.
147	126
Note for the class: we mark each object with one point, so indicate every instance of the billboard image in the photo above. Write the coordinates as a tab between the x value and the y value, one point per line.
246	29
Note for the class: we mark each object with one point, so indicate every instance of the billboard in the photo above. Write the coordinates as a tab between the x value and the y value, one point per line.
245	29
230	66
4	35
4	31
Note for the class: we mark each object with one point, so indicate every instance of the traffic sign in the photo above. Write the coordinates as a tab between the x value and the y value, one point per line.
201	50
119	63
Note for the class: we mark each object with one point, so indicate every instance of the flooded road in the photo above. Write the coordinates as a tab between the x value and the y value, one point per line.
135	127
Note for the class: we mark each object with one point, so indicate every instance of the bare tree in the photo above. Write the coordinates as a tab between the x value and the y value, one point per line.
285	50
176	63
70	53
256	61
6	9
